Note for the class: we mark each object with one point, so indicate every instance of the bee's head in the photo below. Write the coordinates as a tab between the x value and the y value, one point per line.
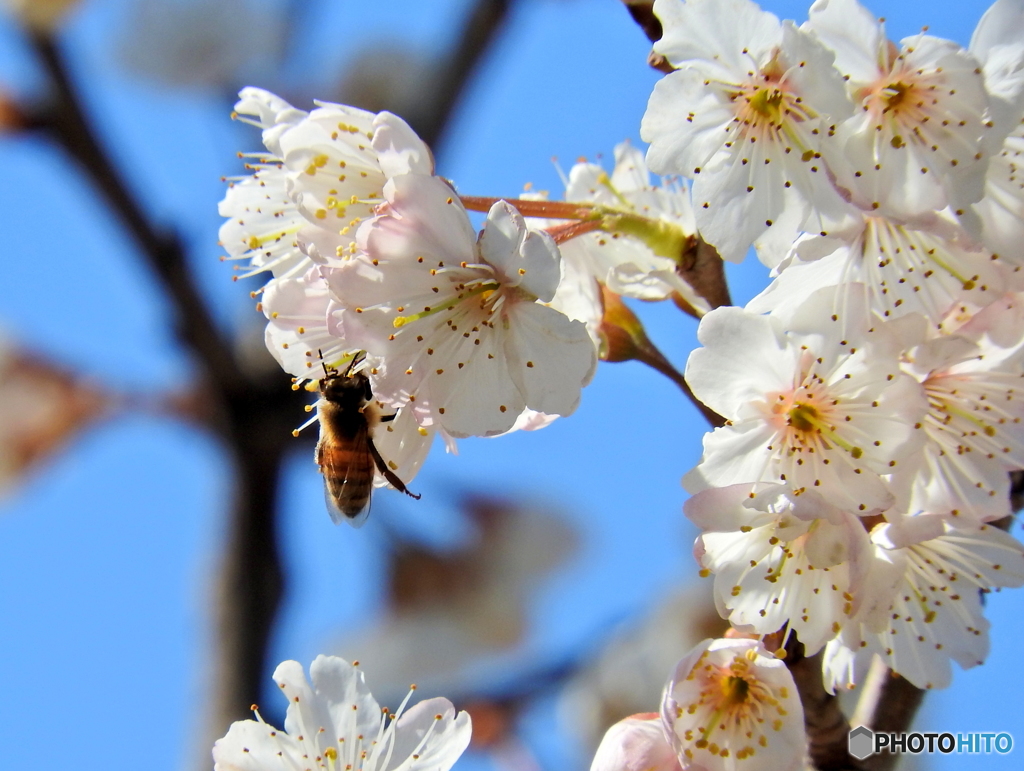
336	387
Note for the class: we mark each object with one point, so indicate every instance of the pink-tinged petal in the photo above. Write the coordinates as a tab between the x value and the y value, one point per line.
636	743
297	331
427	219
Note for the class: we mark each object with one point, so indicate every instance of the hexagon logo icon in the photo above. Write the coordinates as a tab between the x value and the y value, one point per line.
862	742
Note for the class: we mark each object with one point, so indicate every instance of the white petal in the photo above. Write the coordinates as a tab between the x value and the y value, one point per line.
523	257
550	356
399	149
715	29
449	735
253	746
743	358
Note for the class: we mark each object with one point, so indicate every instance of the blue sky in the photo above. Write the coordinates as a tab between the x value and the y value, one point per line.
107	555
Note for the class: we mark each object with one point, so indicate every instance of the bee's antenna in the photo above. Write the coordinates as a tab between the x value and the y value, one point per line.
357	359
323	363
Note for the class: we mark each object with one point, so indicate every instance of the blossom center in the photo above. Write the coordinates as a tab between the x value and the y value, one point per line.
811	420
735	690
735	700
803	417
893	95
768	103
767	109
902	100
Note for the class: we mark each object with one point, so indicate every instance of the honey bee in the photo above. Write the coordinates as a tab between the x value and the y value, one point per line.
346	453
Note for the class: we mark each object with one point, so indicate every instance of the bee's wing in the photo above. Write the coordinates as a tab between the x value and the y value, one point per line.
345	477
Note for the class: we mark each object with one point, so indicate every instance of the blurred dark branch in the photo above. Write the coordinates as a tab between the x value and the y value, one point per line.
67	122
252	413
481	28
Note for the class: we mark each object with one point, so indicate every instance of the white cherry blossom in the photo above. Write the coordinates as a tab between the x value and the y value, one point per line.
922	605
973	427
731	705
334	723
818	403
458	321
924	265
339	159
779	559
745	115
917	141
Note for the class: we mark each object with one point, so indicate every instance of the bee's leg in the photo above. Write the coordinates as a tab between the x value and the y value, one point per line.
390	475
389	418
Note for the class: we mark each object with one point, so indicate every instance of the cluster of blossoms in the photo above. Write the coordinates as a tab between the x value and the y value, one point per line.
869	395
377	268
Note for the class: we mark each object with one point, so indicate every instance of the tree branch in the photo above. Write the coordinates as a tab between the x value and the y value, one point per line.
65	120
824	722
483	23
887	704
251	413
